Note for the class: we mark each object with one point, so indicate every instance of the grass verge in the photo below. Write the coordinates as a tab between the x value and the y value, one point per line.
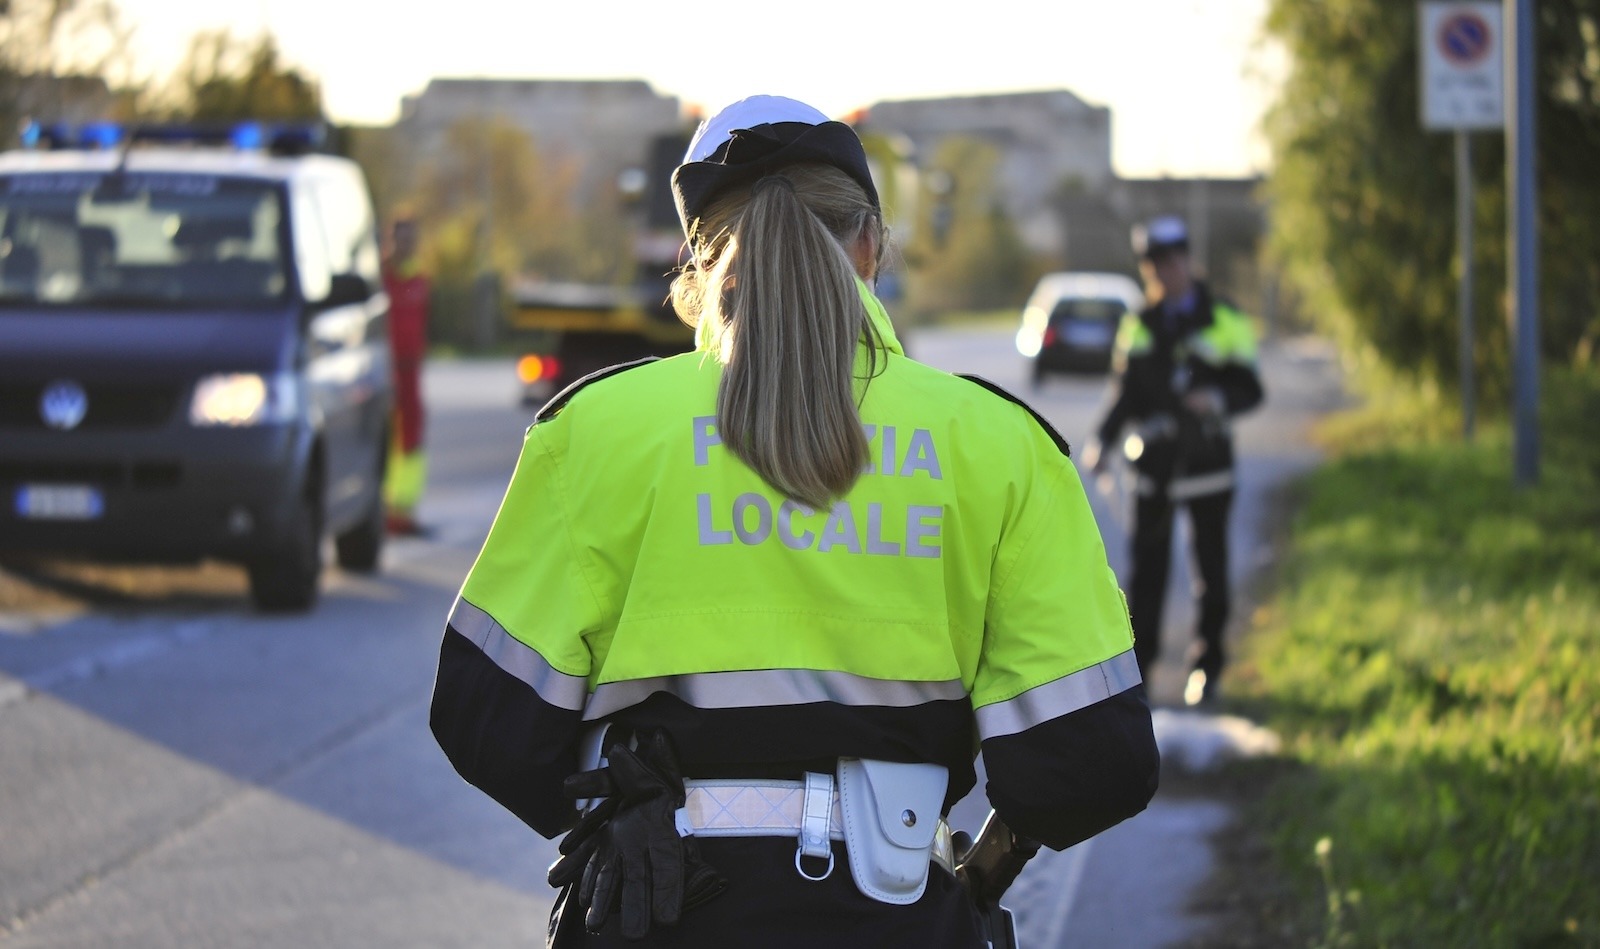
1431	658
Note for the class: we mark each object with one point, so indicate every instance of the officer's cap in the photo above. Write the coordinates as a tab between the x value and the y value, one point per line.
1161	235
754	137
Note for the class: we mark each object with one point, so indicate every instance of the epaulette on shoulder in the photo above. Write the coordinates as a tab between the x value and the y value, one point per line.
560	399
1049	429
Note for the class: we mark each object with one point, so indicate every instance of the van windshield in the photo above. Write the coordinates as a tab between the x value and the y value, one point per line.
138	239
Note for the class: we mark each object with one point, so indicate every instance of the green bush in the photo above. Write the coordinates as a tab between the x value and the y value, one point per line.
1363	197
1432	660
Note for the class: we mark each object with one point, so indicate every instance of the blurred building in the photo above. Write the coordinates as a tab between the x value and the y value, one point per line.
601	126
1048	141
1065	198
1227	220
1055	174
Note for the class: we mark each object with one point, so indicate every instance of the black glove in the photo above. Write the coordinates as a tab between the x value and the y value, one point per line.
630	841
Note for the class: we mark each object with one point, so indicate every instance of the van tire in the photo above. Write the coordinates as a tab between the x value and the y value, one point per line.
359	549
286	578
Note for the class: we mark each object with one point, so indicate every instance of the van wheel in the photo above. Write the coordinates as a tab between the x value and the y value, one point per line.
285	579
359	549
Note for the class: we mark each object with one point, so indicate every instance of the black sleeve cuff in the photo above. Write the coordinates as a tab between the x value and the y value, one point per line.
1067	779
1241	387
502	737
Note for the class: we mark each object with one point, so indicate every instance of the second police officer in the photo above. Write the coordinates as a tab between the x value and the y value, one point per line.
1184	367
756	607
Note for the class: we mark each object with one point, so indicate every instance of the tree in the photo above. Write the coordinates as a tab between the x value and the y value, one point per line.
59	60
1363	208
508	201
966	251
225	78
490	202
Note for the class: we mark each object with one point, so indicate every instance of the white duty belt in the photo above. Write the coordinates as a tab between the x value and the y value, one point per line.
886	812
815	813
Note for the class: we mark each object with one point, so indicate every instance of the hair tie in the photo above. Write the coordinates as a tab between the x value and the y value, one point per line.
773	181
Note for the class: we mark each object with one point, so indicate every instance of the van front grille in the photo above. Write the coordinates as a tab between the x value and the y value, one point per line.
111	406
141	475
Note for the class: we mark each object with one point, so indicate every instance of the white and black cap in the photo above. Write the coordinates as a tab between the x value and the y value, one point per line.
752	138
1160	235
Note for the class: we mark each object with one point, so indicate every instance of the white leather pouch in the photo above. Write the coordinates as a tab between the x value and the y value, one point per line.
891	813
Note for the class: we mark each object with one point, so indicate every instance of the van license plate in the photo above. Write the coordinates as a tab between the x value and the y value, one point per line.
60	502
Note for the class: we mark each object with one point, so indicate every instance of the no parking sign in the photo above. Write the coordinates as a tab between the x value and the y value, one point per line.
1463	71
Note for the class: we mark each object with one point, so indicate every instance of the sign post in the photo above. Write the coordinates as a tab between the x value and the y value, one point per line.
1464	292
1523	238
1462	91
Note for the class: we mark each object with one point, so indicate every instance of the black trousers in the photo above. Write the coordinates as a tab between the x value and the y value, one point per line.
1152	561
769	905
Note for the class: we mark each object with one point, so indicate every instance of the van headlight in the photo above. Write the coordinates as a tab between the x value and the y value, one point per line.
238	399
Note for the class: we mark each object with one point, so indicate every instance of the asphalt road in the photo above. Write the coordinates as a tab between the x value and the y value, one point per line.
177	771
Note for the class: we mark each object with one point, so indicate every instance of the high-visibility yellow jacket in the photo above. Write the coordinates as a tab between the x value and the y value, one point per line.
1159	358
638	572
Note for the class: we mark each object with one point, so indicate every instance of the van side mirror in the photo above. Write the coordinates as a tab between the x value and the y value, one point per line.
346	289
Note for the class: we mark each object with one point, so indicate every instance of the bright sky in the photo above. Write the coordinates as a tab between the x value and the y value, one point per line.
1182	77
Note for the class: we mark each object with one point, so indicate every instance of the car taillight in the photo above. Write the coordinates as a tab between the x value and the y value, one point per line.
1050	336
534	368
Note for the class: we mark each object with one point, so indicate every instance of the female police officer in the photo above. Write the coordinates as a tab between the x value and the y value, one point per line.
783	587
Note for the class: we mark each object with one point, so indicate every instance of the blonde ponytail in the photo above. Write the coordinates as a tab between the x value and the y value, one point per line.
774	290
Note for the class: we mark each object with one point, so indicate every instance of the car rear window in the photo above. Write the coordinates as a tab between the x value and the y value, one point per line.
1087	309
140	240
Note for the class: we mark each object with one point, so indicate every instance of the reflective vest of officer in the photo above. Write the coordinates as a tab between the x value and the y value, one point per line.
1213	346
637	568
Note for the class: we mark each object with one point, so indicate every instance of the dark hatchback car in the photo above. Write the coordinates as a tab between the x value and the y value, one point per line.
193	357
1070	321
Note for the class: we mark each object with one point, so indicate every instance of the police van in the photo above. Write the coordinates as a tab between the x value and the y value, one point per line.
194	360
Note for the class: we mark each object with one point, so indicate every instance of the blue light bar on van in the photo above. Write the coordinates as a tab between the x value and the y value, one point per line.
279	138
102	134
87	135
248	136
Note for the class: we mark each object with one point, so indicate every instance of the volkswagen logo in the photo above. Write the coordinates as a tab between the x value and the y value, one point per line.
63	404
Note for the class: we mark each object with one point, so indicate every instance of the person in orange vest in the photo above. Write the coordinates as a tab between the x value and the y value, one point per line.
409	291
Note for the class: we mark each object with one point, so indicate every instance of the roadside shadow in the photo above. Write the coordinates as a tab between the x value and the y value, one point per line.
121	589
319	709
